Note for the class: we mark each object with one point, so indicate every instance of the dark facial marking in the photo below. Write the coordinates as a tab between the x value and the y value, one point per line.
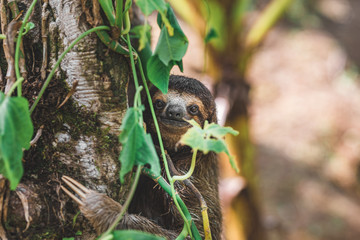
159	104
193	109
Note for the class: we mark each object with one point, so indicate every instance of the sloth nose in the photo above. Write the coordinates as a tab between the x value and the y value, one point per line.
175	112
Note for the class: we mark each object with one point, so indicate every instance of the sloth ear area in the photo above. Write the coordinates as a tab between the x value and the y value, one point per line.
212	117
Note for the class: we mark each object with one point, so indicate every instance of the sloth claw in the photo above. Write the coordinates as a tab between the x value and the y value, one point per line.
77	187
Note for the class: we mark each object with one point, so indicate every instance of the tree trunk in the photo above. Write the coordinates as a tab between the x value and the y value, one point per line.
80	138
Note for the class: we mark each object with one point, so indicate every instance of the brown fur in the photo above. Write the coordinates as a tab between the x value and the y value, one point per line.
151	201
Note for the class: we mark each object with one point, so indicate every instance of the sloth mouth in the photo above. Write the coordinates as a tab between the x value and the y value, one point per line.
173	122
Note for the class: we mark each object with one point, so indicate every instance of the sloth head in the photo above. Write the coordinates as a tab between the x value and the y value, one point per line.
186	99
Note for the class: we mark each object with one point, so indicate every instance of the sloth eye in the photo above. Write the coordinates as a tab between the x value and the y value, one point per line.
194	109
159	104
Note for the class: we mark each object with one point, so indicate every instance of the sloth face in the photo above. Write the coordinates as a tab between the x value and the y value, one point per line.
172	110
187	99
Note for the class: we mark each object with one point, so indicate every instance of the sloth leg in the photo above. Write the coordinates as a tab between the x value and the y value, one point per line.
102	211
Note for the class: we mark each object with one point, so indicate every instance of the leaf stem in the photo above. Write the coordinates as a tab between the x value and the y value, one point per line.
137	96
191	170
119	14
108	9
127	24
19	81
167	187
18	43
110	43
132	62
183	233
47	81
126	204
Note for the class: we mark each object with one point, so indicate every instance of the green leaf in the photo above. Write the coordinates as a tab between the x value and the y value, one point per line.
16	130
130	119
171	46
143	32
137	146
127	5
28	27
180	65
158	73
108	8
169	51
148	6
218	131
210	138
134	235
211	35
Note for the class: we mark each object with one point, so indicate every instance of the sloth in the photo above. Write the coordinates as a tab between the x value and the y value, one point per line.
152	209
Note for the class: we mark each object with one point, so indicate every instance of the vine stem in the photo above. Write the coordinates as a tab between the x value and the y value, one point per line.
156	125
18	43
47	81
167	188
137	101
162	148
137	96
183	233
126	204
127	24
191	170
19	81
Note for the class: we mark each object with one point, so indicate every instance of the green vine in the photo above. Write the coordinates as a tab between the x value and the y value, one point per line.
18	44
169	52
57	64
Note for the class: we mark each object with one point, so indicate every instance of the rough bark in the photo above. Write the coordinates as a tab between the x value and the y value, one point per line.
80	138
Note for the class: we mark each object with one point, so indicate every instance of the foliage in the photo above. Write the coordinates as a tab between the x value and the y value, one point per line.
16	130
138	151
138	148
134	235
209	138
169	51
